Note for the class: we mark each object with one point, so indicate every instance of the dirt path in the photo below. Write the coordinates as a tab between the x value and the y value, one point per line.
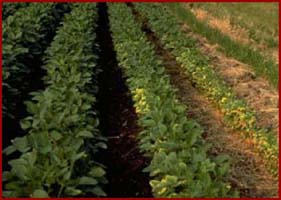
118	122
256	91
248	173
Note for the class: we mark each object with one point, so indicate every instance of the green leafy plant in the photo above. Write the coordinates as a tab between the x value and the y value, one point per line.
57	155
24	38
237	114
10	8
180	166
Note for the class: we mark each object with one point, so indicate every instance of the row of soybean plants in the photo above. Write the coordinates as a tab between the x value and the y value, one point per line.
56	156
24	38
10	8
237	114
180	166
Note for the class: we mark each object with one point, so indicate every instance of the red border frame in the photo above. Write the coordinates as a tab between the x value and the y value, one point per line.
160	1
1	1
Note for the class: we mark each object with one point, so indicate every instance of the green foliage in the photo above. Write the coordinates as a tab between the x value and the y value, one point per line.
24	38
236	112
180	166
57	153
10	8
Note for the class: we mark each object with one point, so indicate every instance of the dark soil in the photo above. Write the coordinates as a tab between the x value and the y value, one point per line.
118	122
248	174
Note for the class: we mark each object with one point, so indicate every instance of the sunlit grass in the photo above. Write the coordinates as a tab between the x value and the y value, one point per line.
244	53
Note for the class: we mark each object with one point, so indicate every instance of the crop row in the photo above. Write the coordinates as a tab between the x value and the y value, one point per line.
180	166
25	36
10	8
237	113
57	153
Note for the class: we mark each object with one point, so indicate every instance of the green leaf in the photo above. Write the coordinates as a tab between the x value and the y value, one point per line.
31	107
78	156
222	158
99	192
9	150
25	124
78	143
154	183
86	106
101	145
147	169
30	157
73	119
86	134
149	122
39	193
21	144
41	142
19	168
56	135
155	172
97	172
71	191
87	181
172	179
35	123
162	128
67	176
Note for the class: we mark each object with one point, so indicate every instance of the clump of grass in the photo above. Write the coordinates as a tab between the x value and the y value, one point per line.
246	54
263	29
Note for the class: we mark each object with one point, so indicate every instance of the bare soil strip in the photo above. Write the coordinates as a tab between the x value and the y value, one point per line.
118	122
256	91
248	173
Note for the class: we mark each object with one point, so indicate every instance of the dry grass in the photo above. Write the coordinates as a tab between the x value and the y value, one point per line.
244	34
256	91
